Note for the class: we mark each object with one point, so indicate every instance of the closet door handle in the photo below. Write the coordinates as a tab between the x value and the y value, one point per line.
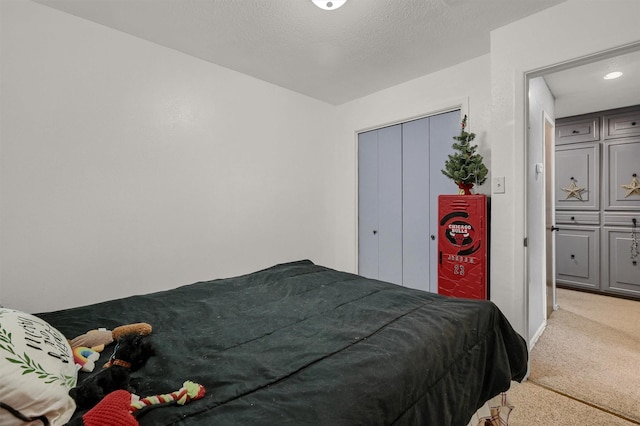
375	232
554	228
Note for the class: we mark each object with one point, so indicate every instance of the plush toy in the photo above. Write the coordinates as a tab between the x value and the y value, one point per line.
98	339
85	358
130	354
118	407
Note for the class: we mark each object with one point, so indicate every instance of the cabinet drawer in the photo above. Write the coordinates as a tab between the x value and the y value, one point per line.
578	256
621	274
622	219
578	218
586	129
622	125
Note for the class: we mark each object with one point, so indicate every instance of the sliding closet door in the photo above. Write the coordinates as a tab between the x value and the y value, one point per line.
380	204
426	143
441	132
415	204
400	179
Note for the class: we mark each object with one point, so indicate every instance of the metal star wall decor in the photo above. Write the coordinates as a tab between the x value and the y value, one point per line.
574	191
633	187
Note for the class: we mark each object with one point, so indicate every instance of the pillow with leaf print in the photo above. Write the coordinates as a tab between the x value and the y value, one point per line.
37	370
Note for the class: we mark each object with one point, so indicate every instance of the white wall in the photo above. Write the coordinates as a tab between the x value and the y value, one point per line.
574	29
127	167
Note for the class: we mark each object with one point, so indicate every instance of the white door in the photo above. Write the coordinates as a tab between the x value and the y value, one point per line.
536	224
550	212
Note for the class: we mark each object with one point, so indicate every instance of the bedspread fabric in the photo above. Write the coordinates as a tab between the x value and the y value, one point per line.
301	344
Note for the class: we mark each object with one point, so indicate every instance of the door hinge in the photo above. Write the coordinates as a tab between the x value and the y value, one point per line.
526	242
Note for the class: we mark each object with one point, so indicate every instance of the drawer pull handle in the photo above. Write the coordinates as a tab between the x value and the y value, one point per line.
573	256
633	123
576	132
573	218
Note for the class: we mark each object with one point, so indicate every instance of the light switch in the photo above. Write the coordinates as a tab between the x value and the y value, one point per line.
497	185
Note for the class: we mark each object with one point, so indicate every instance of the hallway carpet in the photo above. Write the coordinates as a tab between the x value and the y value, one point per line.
590	352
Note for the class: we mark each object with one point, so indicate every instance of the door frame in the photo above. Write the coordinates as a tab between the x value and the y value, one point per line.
541	72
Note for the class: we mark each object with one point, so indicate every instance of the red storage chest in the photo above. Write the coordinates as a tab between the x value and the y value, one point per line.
462	246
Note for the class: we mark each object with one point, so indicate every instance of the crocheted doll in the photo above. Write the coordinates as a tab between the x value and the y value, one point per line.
118	408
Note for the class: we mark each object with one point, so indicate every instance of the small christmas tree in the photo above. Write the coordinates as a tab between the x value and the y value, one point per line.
465	167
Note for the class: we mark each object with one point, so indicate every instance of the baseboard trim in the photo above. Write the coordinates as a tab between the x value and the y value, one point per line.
536	335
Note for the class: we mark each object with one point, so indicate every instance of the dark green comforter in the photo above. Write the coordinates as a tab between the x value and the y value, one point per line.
301	344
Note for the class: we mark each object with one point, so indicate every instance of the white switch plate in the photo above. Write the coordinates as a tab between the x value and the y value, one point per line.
497	185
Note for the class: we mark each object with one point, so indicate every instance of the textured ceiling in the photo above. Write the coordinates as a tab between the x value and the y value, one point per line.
334	56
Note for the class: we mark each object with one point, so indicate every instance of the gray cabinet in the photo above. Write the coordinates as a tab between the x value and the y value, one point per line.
399	179
598	201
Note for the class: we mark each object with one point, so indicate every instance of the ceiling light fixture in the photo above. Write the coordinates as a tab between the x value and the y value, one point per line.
612	75
329	4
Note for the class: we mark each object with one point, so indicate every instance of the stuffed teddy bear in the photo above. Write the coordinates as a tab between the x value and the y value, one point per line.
98	339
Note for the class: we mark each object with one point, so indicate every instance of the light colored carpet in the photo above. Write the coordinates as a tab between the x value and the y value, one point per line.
590	351
535	405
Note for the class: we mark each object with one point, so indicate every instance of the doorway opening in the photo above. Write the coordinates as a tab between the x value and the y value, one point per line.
574	91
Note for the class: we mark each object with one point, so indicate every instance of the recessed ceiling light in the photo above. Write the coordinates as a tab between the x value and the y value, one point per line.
612	75
329	4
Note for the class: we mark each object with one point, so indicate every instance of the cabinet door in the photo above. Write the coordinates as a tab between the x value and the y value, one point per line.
577	177
577	257
622	275
622	174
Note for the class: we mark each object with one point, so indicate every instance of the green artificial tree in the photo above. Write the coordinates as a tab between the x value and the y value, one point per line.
465	167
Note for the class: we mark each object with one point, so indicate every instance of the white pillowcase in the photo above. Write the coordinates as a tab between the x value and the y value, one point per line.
36	369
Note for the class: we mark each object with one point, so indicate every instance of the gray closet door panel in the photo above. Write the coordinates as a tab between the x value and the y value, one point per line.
399	180
390	204
442	130
415	202
368	204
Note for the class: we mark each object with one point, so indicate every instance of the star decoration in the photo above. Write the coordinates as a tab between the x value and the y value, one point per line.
634	186
574	191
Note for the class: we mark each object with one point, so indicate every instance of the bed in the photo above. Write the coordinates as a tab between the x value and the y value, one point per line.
302	344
